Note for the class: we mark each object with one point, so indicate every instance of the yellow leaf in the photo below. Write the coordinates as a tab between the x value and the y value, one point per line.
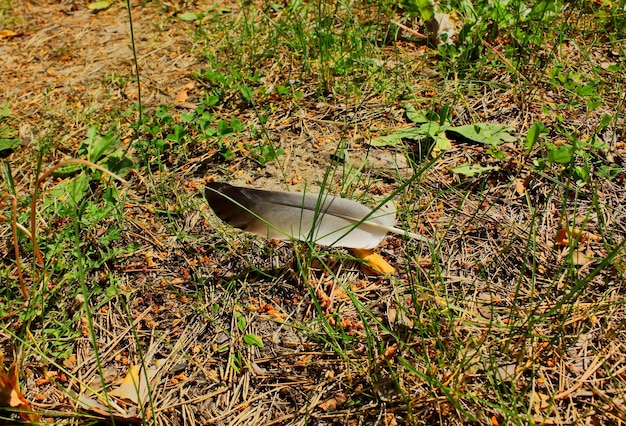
136	385
8	34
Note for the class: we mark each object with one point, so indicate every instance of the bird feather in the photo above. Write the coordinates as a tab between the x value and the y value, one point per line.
319	218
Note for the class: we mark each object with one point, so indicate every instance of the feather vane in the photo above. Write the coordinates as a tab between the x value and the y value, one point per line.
319	218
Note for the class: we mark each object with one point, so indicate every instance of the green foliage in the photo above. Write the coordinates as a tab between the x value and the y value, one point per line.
266	153
582	159
189	16
438	129
8	133
99	149
536	131
472	170
253	340
524	27
424	9
167	132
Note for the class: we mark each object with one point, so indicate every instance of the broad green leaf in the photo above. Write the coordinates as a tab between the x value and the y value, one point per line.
236	124
433	129
471	170
241	321
189	16
78	186
562	154
118	163
425	9
223	128
487	133
7	146
395	138
588	89
442	143
609	171
68	170
534	133
97	146
414	115
71	189
252	339
246	92
98	5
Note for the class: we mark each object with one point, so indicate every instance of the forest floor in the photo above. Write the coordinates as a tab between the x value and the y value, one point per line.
515	314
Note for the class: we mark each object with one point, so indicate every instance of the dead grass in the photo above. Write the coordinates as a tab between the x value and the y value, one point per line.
491	326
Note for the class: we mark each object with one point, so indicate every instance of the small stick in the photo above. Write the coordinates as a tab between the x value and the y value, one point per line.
409	30
505	60
20	275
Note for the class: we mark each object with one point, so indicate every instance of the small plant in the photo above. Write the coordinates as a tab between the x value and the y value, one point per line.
99	149
436	130
581	159
265	153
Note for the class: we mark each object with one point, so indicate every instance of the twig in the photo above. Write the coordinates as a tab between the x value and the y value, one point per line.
409	30
505	60
598	361
19	226
14	228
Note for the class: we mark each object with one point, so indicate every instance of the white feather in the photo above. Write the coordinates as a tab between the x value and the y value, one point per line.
322	219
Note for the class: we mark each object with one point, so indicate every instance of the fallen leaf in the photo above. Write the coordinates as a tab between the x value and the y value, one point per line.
8	34
442	27
136	385
522	184
399	317
579	258
563	236
520	188
10	395
506	372
329	405
374	261
183	94
99	409
541	402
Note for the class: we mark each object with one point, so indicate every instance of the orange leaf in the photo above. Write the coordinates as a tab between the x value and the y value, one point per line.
183	94
329	405
563	236
11	397
522	184
374	261
8	34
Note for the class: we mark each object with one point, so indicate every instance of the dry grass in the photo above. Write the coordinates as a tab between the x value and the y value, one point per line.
497	324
